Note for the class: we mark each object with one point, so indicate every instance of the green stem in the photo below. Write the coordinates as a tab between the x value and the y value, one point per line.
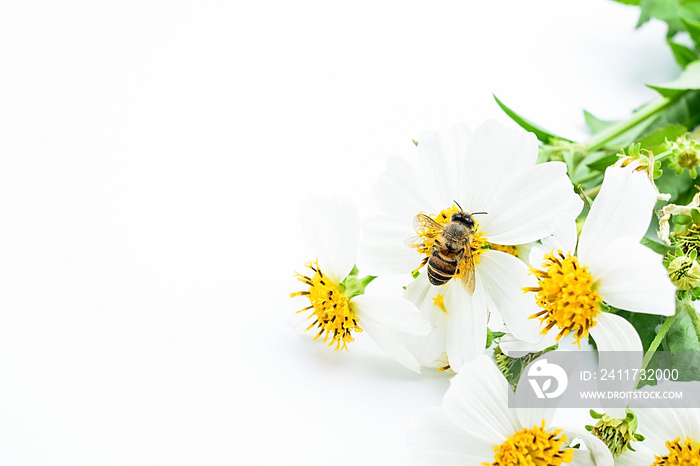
657	341
621	127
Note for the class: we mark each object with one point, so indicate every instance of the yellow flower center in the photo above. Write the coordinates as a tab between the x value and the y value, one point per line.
512	250
682	454
479	243
330	308
532	447
566	295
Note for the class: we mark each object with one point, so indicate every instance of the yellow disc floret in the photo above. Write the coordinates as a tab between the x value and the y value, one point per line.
532	447
566	295
330	307
680	453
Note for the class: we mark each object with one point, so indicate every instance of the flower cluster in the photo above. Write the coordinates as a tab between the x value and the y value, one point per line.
515	243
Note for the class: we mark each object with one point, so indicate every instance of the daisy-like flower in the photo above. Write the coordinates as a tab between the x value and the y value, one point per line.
337	305
476	427
492	170
672	432
608	266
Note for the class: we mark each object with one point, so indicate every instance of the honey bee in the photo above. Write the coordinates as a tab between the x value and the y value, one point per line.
451	249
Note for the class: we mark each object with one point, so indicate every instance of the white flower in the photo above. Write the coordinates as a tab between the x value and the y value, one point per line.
609	265
475	426
335	292
492	171
672	432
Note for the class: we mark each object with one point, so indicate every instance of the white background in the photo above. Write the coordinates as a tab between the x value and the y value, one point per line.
152	160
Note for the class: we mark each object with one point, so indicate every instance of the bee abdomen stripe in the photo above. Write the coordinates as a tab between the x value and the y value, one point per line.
440	270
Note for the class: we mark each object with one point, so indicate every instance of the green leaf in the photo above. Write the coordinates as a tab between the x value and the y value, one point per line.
656	139
628	2
665	10
688	80
681	336
595	124
541	133
602	163
685	110
675	186
645	324
692	25
683	55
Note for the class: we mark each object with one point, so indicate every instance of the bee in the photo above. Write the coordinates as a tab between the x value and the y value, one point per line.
451	249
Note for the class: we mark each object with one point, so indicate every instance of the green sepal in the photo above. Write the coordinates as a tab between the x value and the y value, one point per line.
595	415
656	246
682	219
355	286
491	335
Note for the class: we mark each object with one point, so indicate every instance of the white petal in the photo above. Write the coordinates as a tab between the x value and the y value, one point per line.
503	277
564	232
622	208
383	248
496	154
393	344
429	348
402	191
434	439
660	425
631	276
391	312
641	457
439	157
534	415
510	345
598	453
523	211
614	333
332	229
466	325
387	320
619	346
477	401
582	458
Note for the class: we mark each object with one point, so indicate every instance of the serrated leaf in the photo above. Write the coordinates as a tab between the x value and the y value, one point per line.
683	55
541	133
688	80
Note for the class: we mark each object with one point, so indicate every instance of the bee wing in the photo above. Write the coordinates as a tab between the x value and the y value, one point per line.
422	221
468	279
428	225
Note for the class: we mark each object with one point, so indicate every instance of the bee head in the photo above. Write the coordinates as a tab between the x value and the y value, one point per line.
463	218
